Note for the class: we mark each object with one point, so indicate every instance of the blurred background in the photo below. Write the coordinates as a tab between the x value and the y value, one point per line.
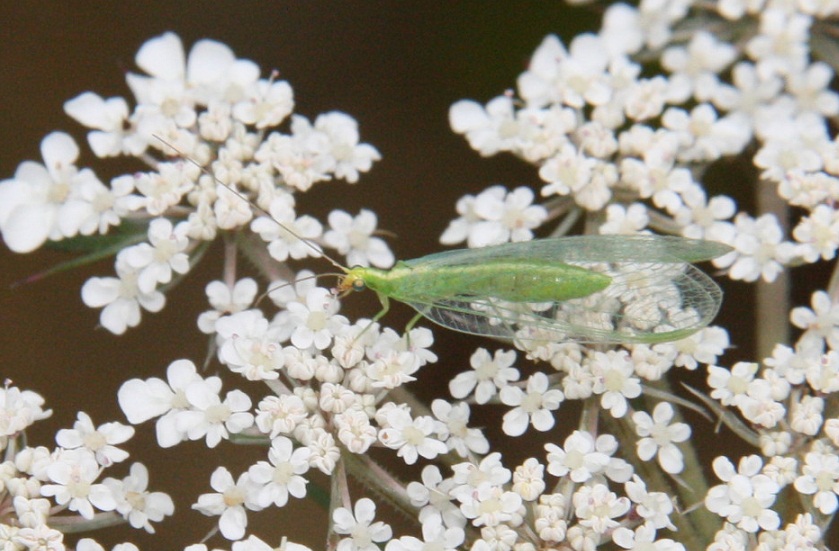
395	67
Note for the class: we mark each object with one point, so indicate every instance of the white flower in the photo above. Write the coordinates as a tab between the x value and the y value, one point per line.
654	507
108	117
277	415
761	251
533	405
644	537
52	200
751	91
704	136
703	218
791	364
695	67
72	476
489	505
651	363
529	479
142	400
355	430
32	203
229	502
282	291
781	45
730	386
644	99
704	346
614	380
341	134
253	543
820	478
41	537
312	154
411	437
101	441
804	532
301	162
758	405
773	444
491	129
468	476
288	236
458	436
746	498
499	537
819	232
94	207
583	457
135	503
625	220
432	496
19	409
353	237
325	452
597	508
823	375
434	536
575	77
391	369
228	212
281	476
820	324
811	89
315	320
659	437
210	73
211	418
249	345
226	300
165	188
551	523
806	415
358	524
335	398
266	104
120	298
488	375
495	216
31	512
657	176
459	229
569	172
164	254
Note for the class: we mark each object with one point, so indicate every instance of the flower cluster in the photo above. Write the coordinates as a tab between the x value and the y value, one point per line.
47	491
623	150
618	152
203	125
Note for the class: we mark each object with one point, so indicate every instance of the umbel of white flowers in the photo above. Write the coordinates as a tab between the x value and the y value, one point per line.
617	151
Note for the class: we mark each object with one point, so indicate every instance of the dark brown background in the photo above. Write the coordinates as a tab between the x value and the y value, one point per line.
395	67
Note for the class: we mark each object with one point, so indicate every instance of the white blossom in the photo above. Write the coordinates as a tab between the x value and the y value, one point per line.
659	437
747	495
358	525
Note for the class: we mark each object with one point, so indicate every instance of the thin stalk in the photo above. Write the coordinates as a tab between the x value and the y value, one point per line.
772	299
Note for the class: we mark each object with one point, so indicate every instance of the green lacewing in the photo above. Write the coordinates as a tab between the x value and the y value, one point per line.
591	288
619	289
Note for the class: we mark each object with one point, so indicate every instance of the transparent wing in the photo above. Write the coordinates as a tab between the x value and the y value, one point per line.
585	249
646	302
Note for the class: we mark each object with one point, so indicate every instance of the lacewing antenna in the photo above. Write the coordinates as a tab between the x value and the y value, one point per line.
295	282
253	205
